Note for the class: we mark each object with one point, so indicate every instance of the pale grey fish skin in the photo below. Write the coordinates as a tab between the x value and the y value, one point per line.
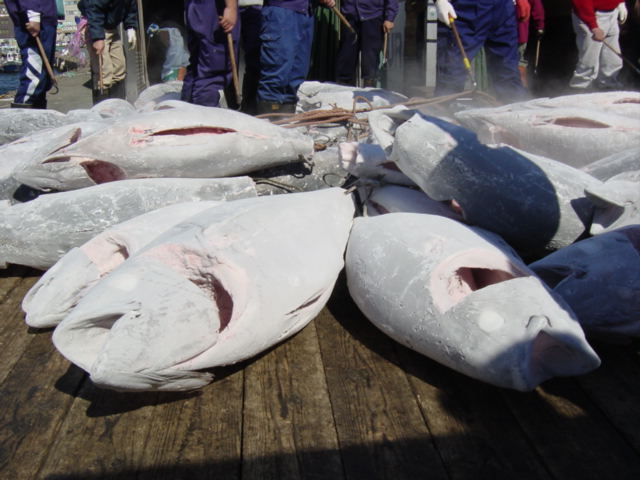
216	289
617	204
322	170
575	136
600	279
65	283
38	233
626	103
369	161
21	152
536	204
113	108
385	199
384	123
195	142
462	297
18	122
314	95
614	164
151	96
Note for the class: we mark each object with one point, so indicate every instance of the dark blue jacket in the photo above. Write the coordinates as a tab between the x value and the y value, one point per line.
18	10
368	9
107	14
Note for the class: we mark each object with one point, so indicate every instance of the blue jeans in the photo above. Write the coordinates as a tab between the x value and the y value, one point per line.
285	53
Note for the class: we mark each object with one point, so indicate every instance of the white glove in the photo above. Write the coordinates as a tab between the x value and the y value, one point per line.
131	38
445	9
622	13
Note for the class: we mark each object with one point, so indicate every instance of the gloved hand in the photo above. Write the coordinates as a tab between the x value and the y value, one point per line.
445	9
131	38
622	13
523	9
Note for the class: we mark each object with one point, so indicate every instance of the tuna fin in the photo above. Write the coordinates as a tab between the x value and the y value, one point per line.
169	379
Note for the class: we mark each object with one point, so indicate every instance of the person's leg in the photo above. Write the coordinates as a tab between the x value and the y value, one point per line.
610	63
347	57
586	70
278	50
372	38
501	47
118	65
251	21
302	58
34	79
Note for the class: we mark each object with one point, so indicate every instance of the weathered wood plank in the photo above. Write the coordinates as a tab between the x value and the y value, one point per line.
288	422
33	409
472	427
615	389
381	430
570	434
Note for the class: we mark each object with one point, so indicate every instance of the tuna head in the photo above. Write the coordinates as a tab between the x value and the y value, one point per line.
460	296
132	329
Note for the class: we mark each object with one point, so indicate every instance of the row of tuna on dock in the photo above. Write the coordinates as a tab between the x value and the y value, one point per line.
177	238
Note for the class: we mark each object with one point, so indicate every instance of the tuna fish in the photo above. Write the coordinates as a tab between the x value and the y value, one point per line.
536	204
201	142
460	296
324	96
368	161
394	198
38	233
619	103
575	136
617	204
64	284
600	279
217	289
18	122
155	94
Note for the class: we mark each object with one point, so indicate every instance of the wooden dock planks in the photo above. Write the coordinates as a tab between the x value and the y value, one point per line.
338	400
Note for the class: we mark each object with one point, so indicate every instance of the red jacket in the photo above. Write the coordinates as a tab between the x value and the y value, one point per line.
537	15
586	9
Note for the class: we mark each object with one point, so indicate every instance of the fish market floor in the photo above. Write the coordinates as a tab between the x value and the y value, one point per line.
338	400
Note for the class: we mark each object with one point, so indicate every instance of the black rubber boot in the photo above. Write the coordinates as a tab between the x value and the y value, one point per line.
21	105
118	90
97	97
275	107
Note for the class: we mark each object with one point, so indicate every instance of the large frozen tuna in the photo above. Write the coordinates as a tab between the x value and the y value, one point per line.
155	94
460	296
38	233
534	203
323	96
219	288
575	136
619	102
18	122
64	284
615	164
600	279
202	142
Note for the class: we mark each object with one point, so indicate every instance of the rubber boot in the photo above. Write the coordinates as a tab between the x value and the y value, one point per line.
21	105
523	76
97	97
369	82
118	90
275	107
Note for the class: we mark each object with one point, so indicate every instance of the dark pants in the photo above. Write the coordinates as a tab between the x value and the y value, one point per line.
369	44
285	54
250	24
488	23
34	79
209	69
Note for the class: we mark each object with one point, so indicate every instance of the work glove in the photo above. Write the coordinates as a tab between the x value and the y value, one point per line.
622	13
131	38
445	10
523	9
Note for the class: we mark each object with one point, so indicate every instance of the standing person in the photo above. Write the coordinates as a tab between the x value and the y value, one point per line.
33	19
285	52
209	71
371	19
106	54
488	23
595	21
537	15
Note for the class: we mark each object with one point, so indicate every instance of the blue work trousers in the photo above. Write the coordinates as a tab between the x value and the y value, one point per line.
369	40
209	69
34	79
488	23
285	53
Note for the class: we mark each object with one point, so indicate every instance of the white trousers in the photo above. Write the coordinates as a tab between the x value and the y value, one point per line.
596	62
